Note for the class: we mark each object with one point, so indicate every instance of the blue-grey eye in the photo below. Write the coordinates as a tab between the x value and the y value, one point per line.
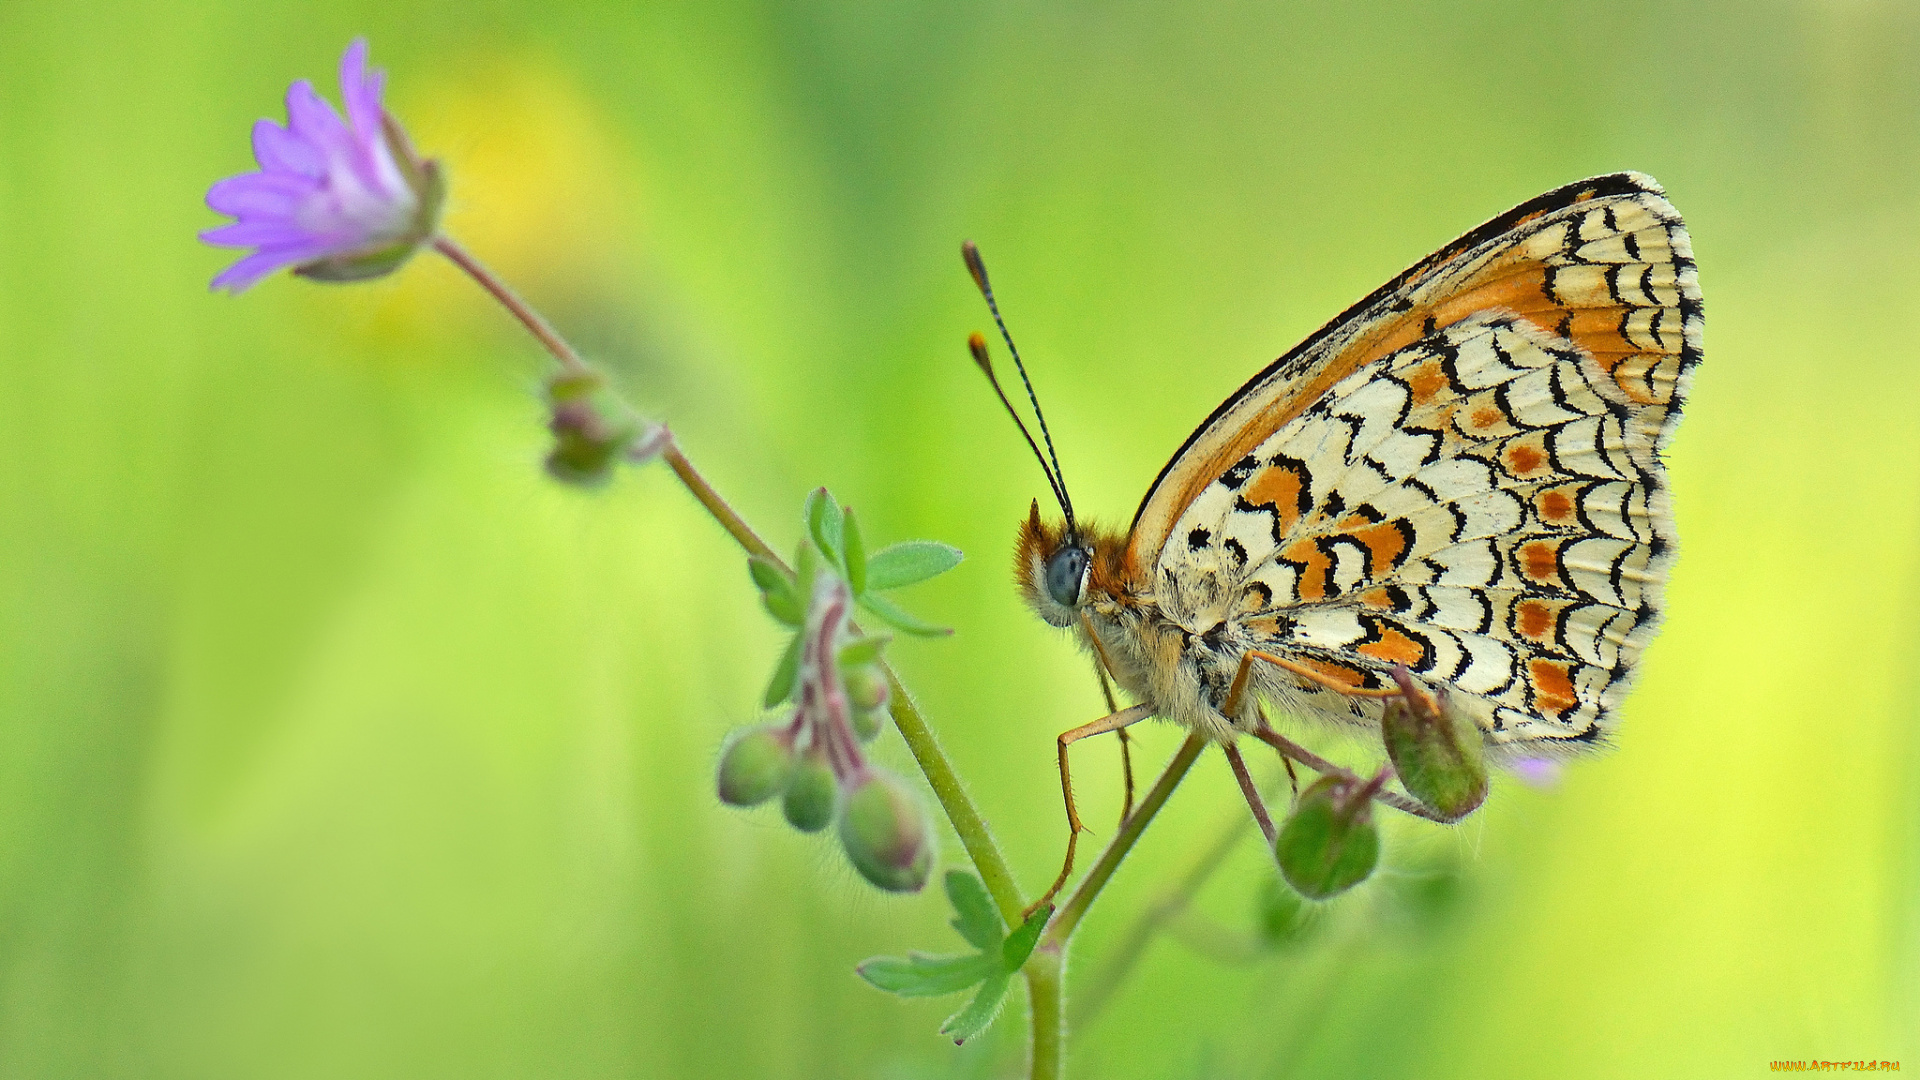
1064	571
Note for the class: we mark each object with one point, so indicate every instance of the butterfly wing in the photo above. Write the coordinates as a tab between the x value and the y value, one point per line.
1461	473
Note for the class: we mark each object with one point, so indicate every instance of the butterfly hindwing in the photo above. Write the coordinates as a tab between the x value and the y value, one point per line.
1461	474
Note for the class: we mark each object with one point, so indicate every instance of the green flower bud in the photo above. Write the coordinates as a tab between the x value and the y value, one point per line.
810	794
868	722
755	766
1435	749
1329	843
593	430
886	834
866	687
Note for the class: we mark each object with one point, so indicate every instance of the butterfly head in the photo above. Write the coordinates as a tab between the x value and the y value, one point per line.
1059	567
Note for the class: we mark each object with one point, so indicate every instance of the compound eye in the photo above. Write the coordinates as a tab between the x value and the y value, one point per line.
1065	571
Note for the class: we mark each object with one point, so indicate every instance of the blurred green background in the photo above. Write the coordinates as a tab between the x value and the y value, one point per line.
336	741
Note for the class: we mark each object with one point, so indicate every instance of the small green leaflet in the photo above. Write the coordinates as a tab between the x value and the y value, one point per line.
900	618
1001	955
909	563
785	675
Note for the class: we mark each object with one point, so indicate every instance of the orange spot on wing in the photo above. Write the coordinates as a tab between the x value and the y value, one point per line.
1486	416
1280	487
1556	506
1535	619
1379	598
1385	545
1540	561
1395	647
1316	568
1523	459
1552	687
1426	381
1339	673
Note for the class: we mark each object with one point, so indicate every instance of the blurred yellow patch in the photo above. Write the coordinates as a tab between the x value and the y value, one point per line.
539	190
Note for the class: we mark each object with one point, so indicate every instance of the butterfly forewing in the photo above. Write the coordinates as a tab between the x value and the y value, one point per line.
1461	474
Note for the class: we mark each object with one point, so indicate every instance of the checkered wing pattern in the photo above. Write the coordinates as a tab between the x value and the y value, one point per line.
1461	474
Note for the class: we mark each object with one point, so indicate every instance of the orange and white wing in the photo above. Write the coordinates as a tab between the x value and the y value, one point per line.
1462	472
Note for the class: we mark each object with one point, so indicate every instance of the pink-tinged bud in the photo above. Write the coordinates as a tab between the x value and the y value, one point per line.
1435	749
593	430
886	833
1329	843
755	766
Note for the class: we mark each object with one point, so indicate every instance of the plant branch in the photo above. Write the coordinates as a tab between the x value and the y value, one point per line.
974	835
529	318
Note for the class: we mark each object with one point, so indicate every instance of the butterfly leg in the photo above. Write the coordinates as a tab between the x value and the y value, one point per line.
1126	748
1247	788
1239	686
1110	722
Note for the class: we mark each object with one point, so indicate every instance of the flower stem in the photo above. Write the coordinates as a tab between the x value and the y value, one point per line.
1045	968
966	820
716	506
960	811
510	300
1046	1002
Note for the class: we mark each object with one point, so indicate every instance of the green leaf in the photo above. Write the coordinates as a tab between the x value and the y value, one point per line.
823	521
766	575
856	552
897	617
777	591
1019	944
979	1012
806	567
928	976
909	563
785	675
978	921
862	651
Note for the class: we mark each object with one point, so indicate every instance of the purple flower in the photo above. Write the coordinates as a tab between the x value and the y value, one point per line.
337	200
1536	772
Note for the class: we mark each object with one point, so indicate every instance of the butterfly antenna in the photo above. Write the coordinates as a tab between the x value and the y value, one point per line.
978	344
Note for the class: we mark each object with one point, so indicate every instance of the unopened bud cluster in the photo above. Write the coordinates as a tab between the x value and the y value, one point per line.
813	761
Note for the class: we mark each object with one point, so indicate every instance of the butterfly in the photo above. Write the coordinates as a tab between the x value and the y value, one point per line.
1459	476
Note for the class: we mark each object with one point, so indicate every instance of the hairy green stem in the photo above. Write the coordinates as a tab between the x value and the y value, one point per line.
1046	1004
966	820
1046	967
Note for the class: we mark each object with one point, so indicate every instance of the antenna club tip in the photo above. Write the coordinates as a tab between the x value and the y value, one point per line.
975	266
977	345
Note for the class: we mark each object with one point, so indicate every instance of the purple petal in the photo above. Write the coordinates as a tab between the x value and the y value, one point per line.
260	194
243	274
279	150
272	233
1537	772
360	89
313	119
